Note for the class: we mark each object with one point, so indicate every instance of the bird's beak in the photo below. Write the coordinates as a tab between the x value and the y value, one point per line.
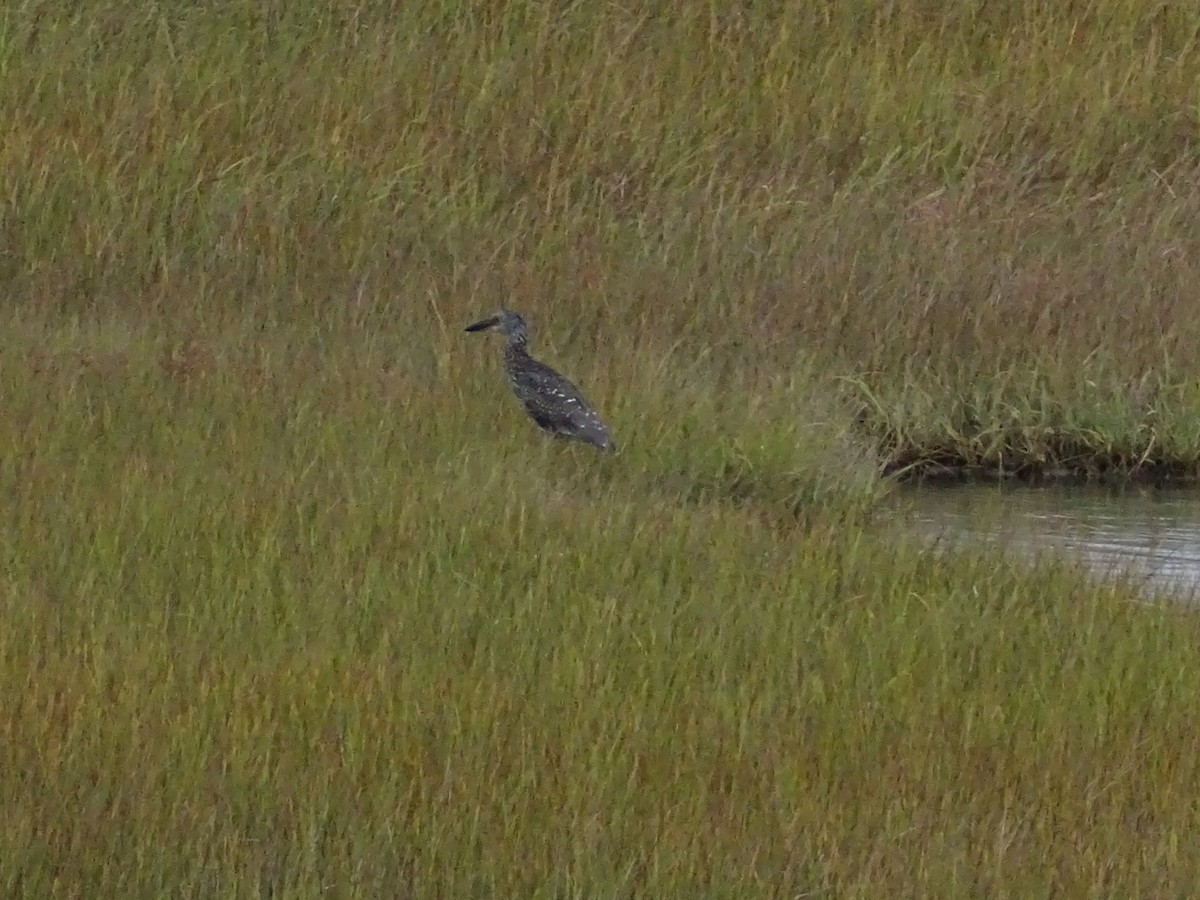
484	324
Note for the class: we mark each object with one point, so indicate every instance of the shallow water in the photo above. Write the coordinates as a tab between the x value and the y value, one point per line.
1149	534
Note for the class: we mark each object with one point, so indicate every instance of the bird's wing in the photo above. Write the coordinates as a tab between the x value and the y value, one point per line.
557	404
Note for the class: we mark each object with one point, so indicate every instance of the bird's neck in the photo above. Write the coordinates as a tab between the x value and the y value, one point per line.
515	349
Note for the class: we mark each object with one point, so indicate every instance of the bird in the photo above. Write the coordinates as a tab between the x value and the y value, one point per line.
552	400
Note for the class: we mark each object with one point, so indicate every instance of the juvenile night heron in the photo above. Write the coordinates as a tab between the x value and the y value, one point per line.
554	402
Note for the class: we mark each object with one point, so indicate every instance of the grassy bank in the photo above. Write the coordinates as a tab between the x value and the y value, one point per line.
295	603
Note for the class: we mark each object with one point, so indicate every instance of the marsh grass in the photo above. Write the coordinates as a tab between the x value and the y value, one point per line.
935	202
298	629
295	602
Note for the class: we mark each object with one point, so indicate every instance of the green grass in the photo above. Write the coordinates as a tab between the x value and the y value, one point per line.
295	604
941	204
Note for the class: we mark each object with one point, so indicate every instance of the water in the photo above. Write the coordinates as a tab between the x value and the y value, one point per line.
1151	534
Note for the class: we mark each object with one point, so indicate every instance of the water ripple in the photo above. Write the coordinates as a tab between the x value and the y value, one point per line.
1152	534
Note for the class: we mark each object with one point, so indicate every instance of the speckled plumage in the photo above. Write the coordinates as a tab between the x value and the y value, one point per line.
552	400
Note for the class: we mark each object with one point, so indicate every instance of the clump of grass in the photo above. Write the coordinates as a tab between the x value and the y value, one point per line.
1034	430
782	446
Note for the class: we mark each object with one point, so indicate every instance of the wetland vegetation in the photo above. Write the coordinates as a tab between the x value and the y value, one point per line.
295	601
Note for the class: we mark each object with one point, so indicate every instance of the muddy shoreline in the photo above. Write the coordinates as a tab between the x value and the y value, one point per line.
912	468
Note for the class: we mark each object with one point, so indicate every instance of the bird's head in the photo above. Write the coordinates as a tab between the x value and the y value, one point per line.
507	322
